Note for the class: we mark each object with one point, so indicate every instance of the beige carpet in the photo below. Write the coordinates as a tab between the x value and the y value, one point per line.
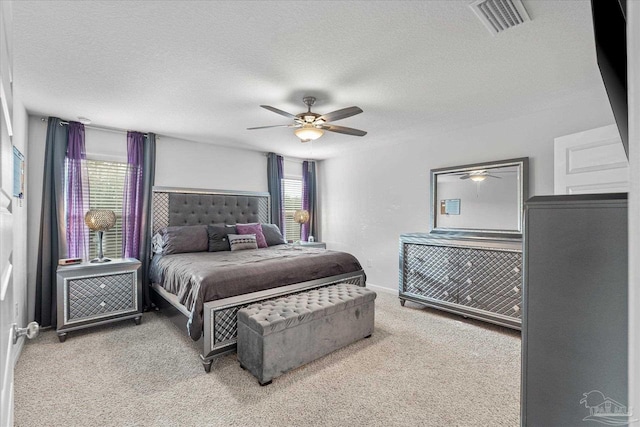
421	367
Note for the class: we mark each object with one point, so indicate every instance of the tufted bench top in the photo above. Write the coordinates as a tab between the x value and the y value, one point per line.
283	313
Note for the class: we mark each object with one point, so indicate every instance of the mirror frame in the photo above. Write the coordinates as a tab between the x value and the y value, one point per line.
523	191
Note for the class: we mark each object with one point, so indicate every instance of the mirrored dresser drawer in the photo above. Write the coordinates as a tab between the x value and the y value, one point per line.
478	278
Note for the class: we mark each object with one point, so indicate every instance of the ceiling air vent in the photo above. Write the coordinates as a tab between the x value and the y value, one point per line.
500	15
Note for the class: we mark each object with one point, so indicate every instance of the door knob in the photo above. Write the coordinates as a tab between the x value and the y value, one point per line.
31	331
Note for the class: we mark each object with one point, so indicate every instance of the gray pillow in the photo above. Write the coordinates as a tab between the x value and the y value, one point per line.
185	238
240	242
218	240
272	235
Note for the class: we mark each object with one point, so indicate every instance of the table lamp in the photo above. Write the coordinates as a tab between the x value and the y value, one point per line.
100	220
301	216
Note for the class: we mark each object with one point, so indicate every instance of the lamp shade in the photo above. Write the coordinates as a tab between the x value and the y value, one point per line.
301	216
100	219
308	132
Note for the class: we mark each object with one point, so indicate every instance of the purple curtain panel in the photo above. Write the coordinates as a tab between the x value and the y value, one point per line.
77	193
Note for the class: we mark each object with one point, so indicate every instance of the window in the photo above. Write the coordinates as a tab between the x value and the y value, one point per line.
106	187
292	189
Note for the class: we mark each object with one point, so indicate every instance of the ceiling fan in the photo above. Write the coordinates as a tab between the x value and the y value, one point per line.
478	176
310	126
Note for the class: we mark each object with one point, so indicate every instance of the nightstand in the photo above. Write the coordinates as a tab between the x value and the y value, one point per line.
313	244
94	294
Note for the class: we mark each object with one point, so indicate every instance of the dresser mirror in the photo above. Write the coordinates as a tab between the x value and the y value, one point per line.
482	199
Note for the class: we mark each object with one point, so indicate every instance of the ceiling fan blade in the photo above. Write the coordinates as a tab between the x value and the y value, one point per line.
277	111
340	114
274	126
494	176
465	176
345	130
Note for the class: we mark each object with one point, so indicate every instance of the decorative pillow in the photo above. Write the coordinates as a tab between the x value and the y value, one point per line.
218	240
240	242
185	238
272	235
157	243
253	229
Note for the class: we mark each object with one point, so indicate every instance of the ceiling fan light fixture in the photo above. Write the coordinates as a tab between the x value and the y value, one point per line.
310	126
308	132
478	178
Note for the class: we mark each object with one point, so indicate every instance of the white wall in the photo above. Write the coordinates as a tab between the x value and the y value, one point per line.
179	163
19	140
35	165
369	197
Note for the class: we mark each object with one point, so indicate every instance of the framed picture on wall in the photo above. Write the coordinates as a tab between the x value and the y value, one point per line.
18	174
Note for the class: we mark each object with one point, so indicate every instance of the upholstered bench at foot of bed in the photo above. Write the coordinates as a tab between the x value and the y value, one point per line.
279	335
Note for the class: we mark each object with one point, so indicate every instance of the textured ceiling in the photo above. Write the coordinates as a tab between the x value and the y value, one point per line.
200	70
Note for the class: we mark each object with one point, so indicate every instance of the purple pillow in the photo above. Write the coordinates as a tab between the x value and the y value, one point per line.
253	229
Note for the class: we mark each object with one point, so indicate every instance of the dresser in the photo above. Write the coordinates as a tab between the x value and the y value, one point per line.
93	294
575	323
474	277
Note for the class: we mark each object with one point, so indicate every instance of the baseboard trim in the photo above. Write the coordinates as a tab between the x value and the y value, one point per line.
382	289
18	350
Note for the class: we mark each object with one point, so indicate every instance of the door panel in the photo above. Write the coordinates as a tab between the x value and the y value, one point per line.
590	162
6	288
7	311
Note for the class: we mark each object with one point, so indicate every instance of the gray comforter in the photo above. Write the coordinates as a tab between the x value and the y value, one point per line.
201	277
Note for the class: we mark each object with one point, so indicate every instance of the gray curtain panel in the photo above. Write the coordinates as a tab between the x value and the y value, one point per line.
309	201
53	241
148	178
314	224
274	180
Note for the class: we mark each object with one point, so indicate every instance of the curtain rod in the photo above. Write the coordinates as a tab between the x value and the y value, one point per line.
103	128
264	153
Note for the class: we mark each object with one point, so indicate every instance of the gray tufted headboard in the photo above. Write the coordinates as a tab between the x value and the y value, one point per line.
193	206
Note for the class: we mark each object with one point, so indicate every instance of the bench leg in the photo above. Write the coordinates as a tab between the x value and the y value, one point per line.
265	383
368	336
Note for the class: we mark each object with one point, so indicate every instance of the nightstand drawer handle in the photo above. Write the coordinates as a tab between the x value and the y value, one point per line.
102	286
445	293
469	298
102	304
516	308
516	269
516	289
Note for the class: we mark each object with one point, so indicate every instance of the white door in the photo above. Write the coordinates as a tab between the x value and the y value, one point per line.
592	161
6	224
6	296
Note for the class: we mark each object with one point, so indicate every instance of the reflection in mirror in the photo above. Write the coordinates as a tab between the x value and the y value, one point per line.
478	199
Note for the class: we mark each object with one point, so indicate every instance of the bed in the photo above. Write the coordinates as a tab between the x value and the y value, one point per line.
202	292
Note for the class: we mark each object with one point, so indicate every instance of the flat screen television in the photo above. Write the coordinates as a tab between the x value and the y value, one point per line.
610	30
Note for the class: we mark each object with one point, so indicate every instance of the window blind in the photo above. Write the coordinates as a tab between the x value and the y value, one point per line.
292	189
106	187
